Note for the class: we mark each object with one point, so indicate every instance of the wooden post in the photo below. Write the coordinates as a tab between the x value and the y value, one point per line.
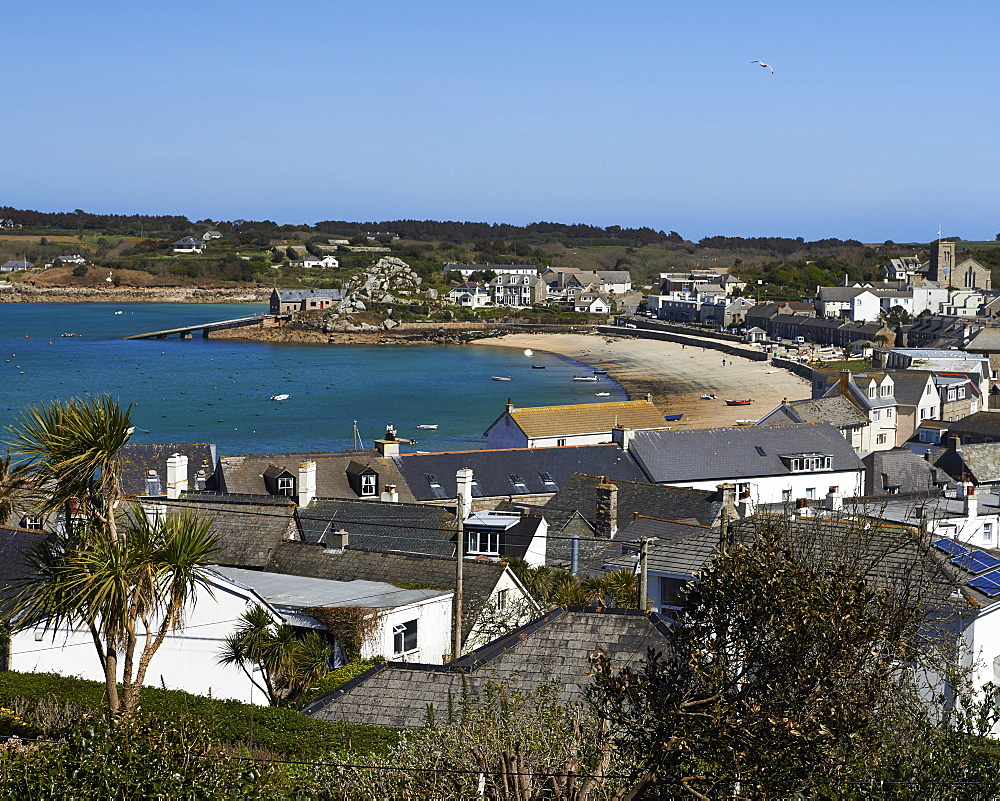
643	573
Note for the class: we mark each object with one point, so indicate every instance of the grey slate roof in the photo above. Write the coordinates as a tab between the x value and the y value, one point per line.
492	469
900	470
14	544
137	460
403	527
556	647
729	453
298	592
248	528
479	578
294	295
986	424
908	386
981	462
836	410
244	474
983	341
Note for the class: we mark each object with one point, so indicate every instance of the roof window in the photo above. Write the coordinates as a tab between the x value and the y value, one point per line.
518	481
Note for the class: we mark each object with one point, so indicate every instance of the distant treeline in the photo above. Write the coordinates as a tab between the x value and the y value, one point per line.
479	231
774	244
82	220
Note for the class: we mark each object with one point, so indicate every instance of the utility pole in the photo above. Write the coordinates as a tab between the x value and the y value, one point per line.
463	481
643	573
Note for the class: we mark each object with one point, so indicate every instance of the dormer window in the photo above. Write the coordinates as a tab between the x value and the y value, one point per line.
32	523
368	481
807	462
885	390
286	485
872	390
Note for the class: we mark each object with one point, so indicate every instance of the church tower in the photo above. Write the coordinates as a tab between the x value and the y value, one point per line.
942	261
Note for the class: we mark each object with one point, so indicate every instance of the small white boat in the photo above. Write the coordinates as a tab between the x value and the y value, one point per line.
601	394
428	426
746	422
529	352
585	378
500	378
118	312
708	397
279	397
67	335
772	371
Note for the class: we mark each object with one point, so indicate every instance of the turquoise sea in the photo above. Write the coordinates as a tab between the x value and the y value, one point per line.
207	390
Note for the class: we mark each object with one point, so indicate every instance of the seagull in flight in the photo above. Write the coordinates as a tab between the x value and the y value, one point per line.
765	66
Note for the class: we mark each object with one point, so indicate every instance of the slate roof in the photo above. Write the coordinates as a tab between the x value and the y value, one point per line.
985	424
244	474
492	469
988	339
614	276
137	460
189	242
730	453
248	528
667	503
901	471
556	646
840	293
623	551
16	264
403	527
14	544
980	461
479	578
585	418
836	410
296	295
908	386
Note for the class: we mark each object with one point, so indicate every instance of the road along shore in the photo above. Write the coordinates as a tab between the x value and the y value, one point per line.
675	374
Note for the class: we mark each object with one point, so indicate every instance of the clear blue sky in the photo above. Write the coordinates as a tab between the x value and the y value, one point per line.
880	121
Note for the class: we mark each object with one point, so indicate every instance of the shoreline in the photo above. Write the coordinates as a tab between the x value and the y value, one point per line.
675	375
20	293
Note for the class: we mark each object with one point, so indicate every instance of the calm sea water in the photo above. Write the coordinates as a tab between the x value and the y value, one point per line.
207	390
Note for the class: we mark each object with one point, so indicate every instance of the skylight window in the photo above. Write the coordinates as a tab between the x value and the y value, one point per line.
548	481
436	489
760	450
518	481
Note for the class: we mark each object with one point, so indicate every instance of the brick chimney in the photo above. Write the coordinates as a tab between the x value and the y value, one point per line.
606	524
510	405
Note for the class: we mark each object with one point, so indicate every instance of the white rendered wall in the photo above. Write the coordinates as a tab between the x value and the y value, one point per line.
434	620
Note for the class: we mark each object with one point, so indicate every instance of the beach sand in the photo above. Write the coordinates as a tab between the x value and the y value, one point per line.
675	375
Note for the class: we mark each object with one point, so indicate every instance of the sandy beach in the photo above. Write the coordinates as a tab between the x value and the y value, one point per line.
676	375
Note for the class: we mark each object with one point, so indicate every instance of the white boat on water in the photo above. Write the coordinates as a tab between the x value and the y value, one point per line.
601	394
279	397
585	378
428	426
500	378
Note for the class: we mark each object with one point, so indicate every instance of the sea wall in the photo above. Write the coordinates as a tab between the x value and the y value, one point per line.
21	293
686	339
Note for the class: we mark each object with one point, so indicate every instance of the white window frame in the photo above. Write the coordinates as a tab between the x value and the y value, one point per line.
368	482
402	632
483	542
286	486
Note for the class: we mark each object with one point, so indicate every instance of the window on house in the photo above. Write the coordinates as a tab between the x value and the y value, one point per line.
885	391
871	391
988	532
786	495
32	523
368	483
518	481
888	413
672	594
880	439
404	638
501	602
876	415
561	442
286	485
810	493
484	542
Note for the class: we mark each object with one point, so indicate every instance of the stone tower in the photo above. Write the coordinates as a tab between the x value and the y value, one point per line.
942	261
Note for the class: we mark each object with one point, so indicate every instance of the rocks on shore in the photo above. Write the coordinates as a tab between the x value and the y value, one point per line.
22	293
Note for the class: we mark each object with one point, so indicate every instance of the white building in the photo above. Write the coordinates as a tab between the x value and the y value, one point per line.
413	625
470	295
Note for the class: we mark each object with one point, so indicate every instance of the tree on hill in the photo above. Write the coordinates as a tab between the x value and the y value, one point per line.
108	570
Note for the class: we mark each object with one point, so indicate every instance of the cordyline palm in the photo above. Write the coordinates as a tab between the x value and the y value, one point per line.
288	664
128	591
70	449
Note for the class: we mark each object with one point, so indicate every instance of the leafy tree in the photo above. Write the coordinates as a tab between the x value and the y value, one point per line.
897	315
287	664
80	270
122	579
800	671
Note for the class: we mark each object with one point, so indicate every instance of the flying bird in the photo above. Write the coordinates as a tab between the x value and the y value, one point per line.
765	66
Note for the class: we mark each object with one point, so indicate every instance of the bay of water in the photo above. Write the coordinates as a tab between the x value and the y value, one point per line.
214	390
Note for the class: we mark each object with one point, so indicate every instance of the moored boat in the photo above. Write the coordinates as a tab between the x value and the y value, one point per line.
500	378
601	394
600	372
538	367
746	422
279	397
428	426
672	417
744	402
708	397
585	378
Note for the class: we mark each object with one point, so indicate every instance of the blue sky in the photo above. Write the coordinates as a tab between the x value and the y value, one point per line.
879	122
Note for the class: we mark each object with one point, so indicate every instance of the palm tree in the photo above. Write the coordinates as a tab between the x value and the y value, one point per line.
288	664
70	449
125	590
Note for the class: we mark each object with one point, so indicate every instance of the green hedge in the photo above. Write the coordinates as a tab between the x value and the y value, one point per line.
286	732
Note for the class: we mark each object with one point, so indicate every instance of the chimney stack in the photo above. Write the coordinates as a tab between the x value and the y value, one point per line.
729	501
802	507
834	503
307	482
463	481
622	436
606	524
510	405
177	475
845	379
387	447
389	494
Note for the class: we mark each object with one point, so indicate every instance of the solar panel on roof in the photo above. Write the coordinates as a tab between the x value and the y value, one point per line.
988	584
976	561
950	547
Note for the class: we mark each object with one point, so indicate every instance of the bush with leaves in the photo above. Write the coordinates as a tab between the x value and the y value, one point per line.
141	756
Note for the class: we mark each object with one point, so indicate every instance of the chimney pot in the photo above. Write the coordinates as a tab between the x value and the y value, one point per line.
606	524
